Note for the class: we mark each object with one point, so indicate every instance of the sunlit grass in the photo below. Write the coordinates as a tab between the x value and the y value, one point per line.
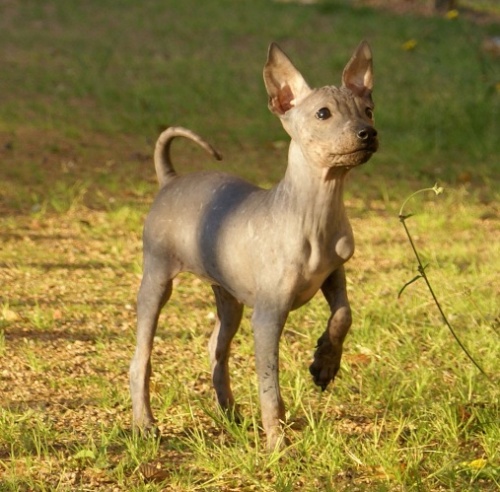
87	88
407	412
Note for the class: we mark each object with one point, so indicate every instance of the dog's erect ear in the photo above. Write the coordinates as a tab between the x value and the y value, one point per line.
284	83
358	73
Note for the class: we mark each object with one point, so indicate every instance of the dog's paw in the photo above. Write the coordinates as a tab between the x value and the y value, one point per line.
326	363
151	432
323	373
147	430
277	441
232	413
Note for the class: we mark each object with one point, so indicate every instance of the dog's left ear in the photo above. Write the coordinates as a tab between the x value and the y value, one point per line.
358	73
284	83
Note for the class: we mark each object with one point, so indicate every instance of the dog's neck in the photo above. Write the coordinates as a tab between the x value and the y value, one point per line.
315	194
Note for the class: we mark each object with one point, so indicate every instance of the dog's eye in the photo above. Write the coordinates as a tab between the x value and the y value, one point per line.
323	114
369	113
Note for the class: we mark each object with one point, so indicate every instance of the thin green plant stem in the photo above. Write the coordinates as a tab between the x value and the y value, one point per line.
422	274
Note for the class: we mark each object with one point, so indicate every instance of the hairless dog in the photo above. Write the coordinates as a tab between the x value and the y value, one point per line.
271	250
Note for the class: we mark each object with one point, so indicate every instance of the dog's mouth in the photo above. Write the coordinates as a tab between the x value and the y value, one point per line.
355	157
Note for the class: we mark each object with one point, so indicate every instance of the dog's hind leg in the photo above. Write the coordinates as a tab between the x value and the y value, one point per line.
229	313
155	290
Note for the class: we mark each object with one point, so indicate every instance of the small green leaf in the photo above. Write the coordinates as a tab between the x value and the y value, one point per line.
85	454
437	189
407	284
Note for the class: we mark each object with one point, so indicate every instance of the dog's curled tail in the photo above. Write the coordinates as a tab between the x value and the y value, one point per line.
163	165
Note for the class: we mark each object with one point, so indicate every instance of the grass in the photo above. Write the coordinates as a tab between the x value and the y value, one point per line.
85	89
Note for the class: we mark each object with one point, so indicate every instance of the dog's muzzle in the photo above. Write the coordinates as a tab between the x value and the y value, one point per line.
367	134
368	143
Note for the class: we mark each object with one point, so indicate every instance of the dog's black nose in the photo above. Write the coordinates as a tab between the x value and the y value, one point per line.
367	133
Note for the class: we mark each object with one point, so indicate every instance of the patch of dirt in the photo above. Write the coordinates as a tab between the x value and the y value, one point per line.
427	8
94	161
400	6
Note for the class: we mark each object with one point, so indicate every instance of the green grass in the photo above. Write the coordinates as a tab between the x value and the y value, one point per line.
487	6
85	88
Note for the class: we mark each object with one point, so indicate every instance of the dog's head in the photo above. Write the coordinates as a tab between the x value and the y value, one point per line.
333	126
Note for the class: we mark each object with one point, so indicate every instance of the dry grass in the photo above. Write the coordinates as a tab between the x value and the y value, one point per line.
408	409
87	86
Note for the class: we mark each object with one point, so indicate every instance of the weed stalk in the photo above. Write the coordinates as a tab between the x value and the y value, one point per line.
422	274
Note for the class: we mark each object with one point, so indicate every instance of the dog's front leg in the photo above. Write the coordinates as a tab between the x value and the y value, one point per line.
267	323
329	347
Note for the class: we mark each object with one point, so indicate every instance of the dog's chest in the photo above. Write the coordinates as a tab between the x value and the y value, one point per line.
326	248
322	255
318	259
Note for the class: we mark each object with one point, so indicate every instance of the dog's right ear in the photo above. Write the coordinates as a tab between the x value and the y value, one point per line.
358	73
284	83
